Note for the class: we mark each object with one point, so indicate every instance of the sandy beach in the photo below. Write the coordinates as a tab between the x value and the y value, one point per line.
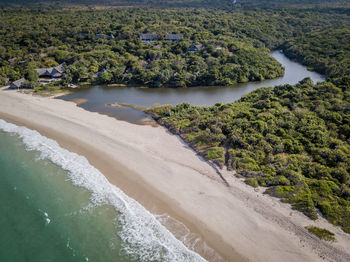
162	173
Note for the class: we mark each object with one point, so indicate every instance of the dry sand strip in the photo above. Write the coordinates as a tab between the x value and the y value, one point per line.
163	174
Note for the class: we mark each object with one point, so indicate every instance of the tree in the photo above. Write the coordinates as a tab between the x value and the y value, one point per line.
31	75
105	77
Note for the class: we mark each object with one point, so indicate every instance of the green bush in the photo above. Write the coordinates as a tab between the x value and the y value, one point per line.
293	148
252	182
216	153
322	233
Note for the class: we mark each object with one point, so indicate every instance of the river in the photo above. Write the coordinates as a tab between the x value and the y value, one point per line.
99	98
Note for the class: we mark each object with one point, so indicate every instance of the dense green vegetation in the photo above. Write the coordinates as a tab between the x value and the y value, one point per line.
321	233
148	3
223	4
236	43
44	39
295	140
292	139
326	51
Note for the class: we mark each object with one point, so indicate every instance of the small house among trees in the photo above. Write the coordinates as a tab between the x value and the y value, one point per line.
149	38
194	48
51	73
103	36
173	37
18	84
97	74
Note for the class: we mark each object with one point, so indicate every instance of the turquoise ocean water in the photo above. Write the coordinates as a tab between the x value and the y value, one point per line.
54	206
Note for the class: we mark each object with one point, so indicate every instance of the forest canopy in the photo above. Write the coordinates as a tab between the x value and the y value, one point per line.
294	140
235	43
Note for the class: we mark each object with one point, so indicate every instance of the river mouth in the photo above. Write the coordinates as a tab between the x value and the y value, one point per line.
100	98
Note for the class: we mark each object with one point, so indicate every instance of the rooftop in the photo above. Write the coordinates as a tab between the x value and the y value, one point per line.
18	83
173	36
149	36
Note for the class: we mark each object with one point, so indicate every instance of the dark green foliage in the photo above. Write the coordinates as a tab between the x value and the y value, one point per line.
46	38
322	233
252	181
30	74
326	51
139	3
216	153
292	139
236	43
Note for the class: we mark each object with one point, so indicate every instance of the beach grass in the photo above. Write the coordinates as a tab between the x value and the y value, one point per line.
322	233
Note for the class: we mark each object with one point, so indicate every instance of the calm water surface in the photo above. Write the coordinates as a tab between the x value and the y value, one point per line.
56	209
98	97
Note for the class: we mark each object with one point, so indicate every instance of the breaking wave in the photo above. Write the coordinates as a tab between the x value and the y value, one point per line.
143	234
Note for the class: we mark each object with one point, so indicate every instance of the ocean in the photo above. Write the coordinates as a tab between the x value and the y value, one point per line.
55	206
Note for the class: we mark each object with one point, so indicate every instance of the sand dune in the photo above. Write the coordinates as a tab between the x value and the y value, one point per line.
163	174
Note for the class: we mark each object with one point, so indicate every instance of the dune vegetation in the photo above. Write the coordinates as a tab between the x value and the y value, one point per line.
292	139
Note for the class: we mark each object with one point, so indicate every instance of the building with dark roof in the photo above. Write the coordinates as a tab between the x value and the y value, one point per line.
149	38
52	72
173	37
110	37
103	36
18	84
97	74
194	48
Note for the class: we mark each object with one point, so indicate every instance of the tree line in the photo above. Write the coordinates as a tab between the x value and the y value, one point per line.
236	43
292	139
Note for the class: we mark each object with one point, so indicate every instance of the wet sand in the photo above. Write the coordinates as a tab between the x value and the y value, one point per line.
164	175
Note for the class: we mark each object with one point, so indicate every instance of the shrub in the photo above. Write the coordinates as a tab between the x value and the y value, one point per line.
216	153
252	182
321	233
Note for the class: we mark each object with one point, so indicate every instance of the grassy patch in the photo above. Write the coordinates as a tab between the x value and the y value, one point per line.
216	153
321	233
142	108
252	182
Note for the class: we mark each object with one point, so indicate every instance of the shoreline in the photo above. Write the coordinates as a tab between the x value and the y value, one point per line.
163	174
154	201
131	183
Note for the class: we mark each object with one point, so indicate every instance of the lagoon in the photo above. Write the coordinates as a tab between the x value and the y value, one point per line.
99	98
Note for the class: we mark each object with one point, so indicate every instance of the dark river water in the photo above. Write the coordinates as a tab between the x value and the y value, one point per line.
99	98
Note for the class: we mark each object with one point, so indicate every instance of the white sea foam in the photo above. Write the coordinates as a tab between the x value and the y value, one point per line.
191	240
144	236
70	248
